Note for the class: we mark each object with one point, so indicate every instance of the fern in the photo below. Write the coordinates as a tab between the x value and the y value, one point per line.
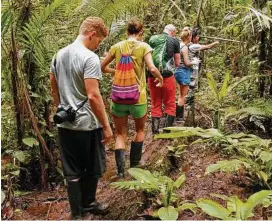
33	32
226	166
149	182
6	21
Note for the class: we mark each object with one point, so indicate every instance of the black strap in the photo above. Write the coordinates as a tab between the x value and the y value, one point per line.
81	105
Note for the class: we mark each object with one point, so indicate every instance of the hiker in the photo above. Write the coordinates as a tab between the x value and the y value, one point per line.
83	125
129	91
183	72
194	49
166	57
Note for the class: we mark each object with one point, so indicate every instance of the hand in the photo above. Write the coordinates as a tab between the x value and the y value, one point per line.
107	134
160	84
216	42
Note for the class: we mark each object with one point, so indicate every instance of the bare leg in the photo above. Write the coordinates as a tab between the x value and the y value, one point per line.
139	125
183	90
121	130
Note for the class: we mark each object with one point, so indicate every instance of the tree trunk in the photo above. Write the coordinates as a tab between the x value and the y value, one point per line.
262	58
269	57
15	94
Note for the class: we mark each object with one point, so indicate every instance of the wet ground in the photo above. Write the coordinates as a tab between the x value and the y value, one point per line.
128	204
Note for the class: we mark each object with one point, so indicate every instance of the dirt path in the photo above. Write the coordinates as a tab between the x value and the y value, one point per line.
53	205
127	204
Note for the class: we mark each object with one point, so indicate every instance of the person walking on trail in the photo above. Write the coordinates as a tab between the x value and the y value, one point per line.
194	50
129	91
83	125
183	72
166	57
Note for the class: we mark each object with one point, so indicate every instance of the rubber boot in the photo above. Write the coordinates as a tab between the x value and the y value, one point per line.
136	154
169	120
75	197
89	203
179	113
155	125
120	162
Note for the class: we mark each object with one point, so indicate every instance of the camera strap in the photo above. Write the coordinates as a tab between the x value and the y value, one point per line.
81	105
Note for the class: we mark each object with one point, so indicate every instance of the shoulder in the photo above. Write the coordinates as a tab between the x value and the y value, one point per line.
194	46
173	41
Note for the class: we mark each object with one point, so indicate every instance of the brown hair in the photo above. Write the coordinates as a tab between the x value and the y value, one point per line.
134	26
185	33
93	24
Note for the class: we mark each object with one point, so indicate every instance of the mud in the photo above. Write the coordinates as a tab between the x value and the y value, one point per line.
131	205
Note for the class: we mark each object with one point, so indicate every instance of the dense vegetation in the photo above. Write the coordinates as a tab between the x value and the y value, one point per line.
235	94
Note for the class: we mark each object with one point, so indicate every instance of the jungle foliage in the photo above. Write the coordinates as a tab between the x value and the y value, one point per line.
234	95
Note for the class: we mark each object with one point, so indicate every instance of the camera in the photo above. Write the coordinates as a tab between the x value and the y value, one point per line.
64	114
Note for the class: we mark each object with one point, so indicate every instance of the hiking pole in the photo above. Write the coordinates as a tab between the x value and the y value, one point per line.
221	39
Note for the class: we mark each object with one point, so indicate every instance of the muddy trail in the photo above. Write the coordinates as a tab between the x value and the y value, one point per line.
132	205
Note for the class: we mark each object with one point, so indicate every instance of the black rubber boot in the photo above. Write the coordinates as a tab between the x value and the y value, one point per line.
169	120
155	125
120	162
136	154
89	204
179	113
75	197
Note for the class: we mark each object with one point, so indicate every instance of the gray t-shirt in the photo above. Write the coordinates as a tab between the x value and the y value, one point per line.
193	50
74	63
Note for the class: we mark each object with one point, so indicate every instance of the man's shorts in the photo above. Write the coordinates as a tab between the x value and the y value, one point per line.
123	110
82	153
183	75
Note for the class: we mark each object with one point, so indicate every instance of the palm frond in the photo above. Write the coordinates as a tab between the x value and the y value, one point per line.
33	32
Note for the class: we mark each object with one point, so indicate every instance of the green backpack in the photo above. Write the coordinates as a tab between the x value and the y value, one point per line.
158	43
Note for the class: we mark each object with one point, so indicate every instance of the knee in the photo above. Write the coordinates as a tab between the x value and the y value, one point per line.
140	133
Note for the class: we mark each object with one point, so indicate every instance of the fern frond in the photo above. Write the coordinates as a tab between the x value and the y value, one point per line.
226	166
6	21
134	184
32	33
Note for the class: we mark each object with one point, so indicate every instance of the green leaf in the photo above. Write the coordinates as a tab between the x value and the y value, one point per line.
263	175
22	156
266	156
212	84
187	206
213	208
144	176
254	200
226	165
223	91
169	213
30	141
180	181
15	173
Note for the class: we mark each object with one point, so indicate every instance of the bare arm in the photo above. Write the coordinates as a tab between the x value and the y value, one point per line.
96	101
209	46
185	55
151	67
177	59
54	89
104	64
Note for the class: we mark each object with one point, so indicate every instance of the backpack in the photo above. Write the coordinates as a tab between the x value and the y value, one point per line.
125	89
158	43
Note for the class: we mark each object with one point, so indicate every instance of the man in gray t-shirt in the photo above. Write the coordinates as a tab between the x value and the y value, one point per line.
75	74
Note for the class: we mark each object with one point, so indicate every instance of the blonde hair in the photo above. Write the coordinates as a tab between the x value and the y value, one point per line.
93	24
185	33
